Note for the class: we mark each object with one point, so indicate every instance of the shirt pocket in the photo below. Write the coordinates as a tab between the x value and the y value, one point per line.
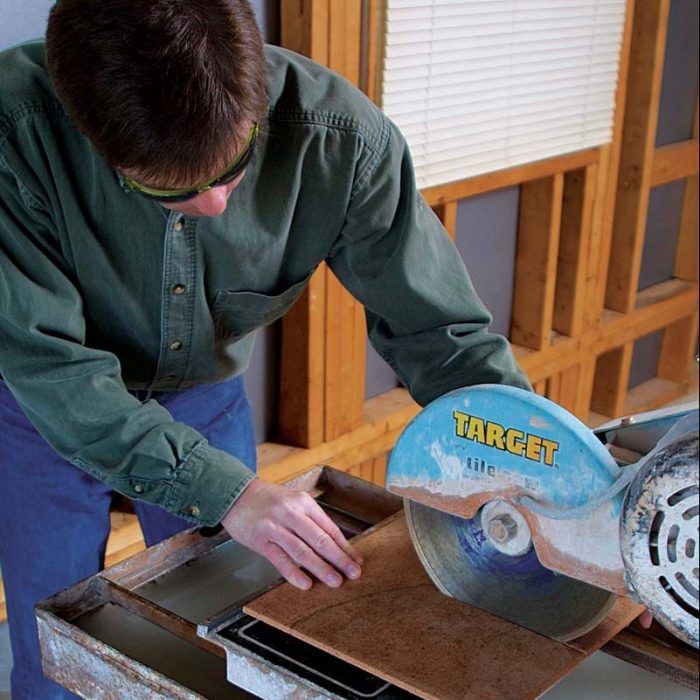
238	313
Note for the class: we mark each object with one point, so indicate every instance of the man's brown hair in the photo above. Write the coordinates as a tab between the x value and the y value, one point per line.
163	88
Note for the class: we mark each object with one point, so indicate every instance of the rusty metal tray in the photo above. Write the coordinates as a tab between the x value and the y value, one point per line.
139	629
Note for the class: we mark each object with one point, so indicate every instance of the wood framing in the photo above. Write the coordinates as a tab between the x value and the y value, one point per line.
572	262
323	336
610	383
576	310
447	213
510	177
604	216
686	267
636	164
536	261
674	162
301	411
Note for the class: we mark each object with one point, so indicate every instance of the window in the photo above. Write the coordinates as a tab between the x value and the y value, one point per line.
481	85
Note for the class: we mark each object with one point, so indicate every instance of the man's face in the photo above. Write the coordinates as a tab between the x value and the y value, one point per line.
213	201
209	203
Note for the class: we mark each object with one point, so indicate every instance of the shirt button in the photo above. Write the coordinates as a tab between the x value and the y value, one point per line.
178	289
179	225
176	345
138	488
193	511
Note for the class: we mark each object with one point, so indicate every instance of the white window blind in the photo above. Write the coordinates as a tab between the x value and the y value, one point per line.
481	85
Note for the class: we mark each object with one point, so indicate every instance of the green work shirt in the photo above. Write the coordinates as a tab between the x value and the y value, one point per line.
103	290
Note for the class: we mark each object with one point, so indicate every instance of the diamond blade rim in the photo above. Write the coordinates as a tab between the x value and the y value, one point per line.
518	589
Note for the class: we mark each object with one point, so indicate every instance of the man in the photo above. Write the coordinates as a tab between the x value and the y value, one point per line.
167	186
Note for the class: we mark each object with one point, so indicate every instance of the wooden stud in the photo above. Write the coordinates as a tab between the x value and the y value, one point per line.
687	251
639	132
364	451
372	47
540	387
598	240
367	471
304	29
489	182
585	389
674	161
554	387
611	380
612	170
535	263
346	343
344	38
678	348
379	469
568	388
125	538
652	394
573	262
304	26
363	470
447	213
302	367
346	338
686	266
323	337
661	296
657	307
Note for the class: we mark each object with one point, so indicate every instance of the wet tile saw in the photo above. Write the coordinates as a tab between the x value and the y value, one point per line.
518	508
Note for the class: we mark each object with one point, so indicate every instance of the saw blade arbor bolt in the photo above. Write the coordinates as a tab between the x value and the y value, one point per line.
503	529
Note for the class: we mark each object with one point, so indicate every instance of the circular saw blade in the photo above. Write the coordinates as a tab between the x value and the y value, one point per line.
462	563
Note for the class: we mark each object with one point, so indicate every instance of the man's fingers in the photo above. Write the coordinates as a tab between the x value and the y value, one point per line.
301	553
290	529
316	513
323	543
645	619
286	566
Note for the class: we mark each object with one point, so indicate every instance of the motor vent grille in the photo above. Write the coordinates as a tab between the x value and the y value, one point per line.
673	548
659	537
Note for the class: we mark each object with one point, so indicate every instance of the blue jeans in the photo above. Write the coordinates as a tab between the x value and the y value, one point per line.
54	518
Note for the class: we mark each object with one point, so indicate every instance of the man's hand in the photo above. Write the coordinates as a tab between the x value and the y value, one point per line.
291	531
645	619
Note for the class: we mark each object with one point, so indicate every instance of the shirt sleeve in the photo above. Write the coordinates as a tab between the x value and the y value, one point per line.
423	314
74	394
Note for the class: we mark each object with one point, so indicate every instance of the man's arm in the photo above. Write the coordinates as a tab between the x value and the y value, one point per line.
423	315
74	394
75	397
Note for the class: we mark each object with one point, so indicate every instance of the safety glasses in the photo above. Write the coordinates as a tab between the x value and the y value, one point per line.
229	174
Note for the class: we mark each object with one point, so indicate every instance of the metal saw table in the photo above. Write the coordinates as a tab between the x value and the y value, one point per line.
169	623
